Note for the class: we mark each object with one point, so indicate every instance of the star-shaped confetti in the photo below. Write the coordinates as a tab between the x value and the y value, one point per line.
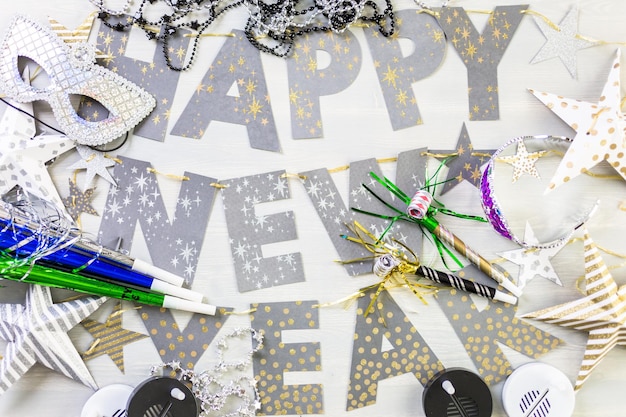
466	164
599	129
79	201
534	261
562	41
37	332
110	337
601	312
523	162
23	157
95	162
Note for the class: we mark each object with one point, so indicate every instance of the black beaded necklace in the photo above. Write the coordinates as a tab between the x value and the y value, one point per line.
337	20
271	27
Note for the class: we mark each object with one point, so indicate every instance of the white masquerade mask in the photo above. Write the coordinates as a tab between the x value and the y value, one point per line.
71	71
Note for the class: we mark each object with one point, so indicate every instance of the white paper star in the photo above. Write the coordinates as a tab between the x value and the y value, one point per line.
602	312
37	332
562	42
599	129
535	261
95	162
23	156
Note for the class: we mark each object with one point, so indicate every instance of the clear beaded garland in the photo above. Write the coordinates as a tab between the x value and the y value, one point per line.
210	387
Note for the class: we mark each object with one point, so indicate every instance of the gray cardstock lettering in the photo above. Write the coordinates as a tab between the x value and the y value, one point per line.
249	232
233	90
173	245
277	358
397	73
335	213
307	82
372	362
155	77
481	332
481	53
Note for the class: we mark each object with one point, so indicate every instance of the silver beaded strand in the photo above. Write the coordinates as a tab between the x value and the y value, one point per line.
208	387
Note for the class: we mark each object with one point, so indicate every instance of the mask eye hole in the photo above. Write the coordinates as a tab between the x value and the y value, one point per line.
37	77
89	108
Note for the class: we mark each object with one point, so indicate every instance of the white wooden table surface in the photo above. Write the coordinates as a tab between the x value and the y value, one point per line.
356	126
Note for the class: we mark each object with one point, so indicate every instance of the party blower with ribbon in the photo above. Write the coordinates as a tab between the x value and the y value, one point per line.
421	210
40	249
392	263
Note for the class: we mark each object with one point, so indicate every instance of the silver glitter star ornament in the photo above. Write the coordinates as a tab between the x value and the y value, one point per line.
37	332
562	42
95	162
72	71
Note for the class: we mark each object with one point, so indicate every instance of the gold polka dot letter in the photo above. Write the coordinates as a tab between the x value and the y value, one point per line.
277	357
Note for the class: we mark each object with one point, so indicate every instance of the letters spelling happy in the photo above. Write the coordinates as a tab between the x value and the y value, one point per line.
238	67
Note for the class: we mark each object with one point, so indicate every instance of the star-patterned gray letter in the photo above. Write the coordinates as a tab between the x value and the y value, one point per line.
249	232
